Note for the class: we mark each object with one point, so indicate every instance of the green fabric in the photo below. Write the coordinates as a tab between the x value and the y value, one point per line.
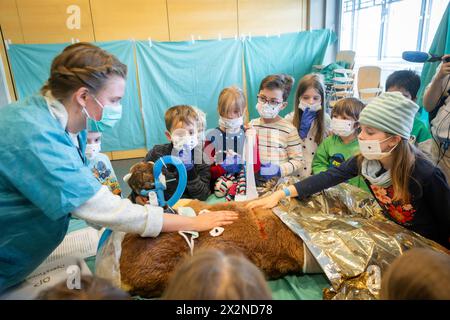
390	112
293	53
439	46
30	65
328	71
420	131
332	152
305	287
174	73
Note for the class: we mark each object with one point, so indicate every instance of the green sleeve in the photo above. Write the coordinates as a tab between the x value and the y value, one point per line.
321	161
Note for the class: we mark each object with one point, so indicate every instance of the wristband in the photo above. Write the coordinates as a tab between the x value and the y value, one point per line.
286	191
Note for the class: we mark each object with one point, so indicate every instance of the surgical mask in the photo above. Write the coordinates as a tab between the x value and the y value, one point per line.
231	125
110	116
180	142
371	149
267	111
342	128
92	150
313	107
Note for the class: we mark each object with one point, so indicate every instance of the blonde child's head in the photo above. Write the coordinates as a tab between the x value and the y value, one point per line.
231	108
231	103
182	123
212	274
345	112
311	93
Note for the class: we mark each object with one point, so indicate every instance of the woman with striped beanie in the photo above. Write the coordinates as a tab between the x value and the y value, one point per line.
409	188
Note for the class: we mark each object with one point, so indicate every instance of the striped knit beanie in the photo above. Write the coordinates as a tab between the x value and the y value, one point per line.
391	112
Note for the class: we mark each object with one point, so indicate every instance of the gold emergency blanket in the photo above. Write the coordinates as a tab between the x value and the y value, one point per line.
346	232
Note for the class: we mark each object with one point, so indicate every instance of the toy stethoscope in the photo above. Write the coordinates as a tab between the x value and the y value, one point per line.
159	187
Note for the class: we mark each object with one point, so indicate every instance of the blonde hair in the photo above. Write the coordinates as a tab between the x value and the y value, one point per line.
214	275
231	98
283	82
349	107
311	81
201	125
182	113
82	65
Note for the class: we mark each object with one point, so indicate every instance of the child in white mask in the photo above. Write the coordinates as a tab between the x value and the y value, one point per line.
98	162
279	143
343	143
410	190
182	132
225	146
309	118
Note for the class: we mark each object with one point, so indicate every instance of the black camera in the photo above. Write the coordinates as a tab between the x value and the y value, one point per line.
447	59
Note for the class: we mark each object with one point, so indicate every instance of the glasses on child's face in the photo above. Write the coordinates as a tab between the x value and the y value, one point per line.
271	102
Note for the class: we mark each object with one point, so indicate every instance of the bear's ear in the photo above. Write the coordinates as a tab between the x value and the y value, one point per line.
126	177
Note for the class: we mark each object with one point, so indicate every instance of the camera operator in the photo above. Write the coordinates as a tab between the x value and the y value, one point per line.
436	101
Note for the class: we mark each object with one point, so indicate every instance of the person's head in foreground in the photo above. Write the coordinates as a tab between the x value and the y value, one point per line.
92	288
215	275
418	274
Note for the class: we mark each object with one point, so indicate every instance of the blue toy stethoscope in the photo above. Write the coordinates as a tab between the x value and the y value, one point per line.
160	186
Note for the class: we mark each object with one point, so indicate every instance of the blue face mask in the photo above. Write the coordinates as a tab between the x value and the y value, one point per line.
110	116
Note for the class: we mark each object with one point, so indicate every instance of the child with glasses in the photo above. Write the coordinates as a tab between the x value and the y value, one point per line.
278	141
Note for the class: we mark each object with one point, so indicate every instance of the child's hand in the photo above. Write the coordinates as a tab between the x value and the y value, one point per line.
212	219
270	170
307	119
186	157
267	202
232	163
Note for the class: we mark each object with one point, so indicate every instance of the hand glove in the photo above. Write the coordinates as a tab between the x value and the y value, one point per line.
270	170
232	164
307	119
186	157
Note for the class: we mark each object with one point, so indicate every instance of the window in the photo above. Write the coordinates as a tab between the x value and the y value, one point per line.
383	29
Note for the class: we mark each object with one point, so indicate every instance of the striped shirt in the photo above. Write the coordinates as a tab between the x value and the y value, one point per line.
279	143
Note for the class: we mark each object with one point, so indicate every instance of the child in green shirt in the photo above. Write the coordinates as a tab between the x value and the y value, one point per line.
343	143
407	82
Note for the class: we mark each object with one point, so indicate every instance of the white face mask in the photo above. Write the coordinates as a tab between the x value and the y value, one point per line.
342	128
231	125
371	149
266	111
313	107
92	150
180	142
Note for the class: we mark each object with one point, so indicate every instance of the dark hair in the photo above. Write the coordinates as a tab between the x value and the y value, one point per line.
92	288
350	107
417	274
283	82
405	79
315	81
82	65
212	274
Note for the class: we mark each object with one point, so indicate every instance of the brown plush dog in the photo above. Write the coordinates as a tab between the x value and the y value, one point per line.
146	264
140	178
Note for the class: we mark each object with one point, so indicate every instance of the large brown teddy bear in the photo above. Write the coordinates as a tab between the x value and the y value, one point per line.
146	264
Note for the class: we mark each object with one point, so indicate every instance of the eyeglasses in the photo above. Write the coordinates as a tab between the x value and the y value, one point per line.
272	102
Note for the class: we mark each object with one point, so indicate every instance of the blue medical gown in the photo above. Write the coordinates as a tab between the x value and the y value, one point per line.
42	179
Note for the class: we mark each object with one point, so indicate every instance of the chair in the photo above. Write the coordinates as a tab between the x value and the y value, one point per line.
368	82
345	55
